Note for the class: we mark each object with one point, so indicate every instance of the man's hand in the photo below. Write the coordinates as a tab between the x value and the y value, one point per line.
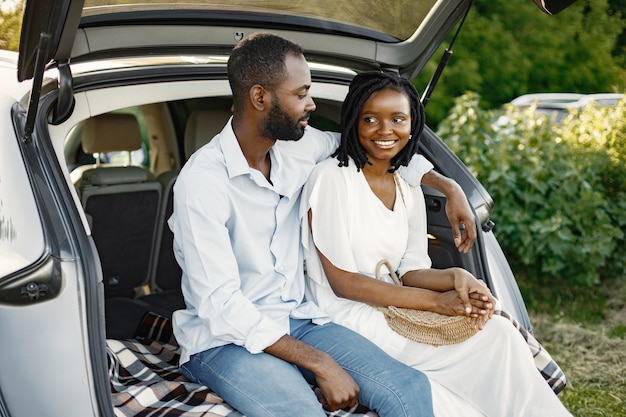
461	219
458	209
338	388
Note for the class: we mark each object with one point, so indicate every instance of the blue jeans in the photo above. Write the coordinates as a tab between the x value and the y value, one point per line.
263	385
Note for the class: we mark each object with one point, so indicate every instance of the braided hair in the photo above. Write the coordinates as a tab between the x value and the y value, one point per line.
361	89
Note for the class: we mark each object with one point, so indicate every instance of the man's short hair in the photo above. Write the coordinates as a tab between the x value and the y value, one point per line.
258	59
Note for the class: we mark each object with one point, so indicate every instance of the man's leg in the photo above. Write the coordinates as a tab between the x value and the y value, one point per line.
388	387
258	385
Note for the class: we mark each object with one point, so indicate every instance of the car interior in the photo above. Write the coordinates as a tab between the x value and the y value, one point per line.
123	165
128	203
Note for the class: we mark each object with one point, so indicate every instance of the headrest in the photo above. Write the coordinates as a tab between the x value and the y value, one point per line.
113	175
111	132
202	125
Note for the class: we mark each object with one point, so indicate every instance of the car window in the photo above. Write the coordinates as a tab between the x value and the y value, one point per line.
137	157
399	18
140	156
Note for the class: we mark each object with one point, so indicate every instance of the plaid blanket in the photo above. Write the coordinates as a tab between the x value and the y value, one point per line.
549	369
145	381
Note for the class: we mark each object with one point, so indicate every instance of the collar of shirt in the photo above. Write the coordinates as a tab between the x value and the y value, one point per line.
283	182
236	163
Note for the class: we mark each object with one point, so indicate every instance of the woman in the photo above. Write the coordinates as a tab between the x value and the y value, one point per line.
360	212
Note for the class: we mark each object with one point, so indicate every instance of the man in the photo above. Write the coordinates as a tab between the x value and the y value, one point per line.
247	331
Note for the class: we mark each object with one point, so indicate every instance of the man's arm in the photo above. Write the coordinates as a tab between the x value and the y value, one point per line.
420	171
457	208
200	233
338	388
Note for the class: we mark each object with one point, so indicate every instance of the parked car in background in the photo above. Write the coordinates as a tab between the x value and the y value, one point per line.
558	105
98	112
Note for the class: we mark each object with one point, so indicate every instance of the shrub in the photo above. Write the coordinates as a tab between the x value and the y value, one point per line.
559	189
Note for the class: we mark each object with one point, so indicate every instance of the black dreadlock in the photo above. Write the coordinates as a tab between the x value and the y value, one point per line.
361	89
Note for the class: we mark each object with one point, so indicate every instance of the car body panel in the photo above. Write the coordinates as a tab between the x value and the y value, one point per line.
558	105
566	100
21	240
402	34
51	352
47	358
51	21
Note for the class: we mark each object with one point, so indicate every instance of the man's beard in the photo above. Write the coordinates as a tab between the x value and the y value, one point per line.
278	125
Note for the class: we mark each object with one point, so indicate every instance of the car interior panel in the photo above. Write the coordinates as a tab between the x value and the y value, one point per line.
151	279
121	201
165	275
129	316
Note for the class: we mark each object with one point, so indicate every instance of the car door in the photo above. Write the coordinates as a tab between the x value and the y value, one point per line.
50	280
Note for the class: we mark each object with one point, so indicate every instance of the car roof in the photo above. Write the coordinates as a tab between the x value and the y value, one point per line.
566	100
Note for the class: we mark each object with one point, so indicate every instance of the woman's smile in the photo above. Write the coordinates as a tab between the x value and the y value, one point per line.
384	124
386	144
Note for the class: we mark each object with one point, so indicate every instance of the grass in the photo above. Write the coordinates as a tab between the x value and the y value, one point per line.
586	335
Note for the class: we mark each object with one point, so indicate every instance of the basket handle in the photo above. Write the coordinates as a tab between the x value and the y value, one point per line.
394	276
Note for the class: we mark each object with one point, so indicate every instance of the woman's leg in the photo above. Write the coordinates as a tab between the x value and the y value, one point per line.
449	404
494	370
259	385
387	386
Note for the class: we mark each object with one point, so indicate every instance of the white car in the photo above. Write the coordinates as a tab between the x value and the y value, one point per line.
558	105
98	112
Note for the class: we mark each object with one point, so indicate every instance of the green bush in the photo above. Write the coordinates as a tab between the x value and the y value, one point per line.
559	189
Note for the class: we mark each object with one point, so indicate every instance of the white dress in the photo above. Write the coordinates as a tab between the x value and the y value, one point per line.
491	374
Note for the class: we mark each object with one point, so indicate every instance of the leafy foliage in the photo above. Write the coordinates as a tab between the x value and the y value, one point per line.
508	48
560	189
10	24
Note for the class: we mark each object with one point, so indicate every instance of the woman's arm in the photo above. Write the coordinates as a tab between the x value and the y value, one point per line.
430	290
359	287
475	295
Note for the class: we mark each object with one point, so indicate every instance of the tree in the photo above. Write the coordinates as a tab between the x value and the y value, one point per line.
10	24
508	48
618	8
559	187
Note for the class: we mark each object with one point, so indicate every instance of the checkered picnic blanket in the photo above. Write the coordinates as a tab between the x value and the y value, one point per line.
549	369
145	381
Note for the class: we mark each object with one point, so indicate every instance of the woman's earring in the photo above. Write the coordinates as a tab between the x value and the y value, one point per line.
410	136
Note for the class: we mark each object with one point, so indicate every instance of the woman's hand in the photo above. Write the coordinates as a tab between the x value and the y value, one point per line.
461	219
479	303
468	296
451	304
